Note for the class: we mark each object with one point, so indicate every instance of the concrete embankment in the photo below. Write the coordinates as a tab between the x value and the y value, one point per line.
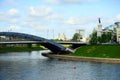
84	59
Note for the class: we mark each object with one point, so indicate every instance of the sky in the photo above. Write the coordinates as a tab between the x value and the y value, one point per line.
48	18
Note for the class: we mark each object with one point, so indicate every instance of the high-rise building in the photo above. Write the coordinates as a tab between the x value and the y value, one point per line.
81	32
118	31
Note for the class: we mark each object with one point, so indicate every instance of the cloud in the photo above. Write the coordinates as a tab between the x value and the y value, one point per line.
54	16
112	20
35	23
10	16
69	1
14	28
76	1
14	20
74	21
80	20
13	12
40	11
3	17
118	17
12	2
8	2
10	28
41	18
53	1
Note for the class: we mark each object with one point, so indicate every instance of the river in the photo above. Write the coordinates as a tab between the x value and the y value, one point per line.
33	66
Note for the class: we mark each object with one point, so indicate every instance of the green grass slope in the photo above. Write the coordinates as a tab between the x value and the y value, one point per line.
102	51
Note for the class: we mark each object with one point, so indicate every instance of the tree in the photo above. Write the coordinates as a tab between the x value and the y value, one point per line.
109	36
105	37
93	37
99	39
76	37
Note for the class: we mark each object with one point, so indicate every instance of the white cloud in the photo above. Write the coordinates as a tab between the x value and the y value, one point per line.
35	24
12	2
10	16
74	21
40	11
41	18
13	20
54	16
118	17
3	17
13	12
80	20
76	1
14	28
69	1
13	15
52	1
8	2
111	20
41	28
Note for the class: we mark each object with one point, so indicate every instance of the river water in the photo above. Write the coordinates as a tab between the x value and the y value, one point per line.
33	66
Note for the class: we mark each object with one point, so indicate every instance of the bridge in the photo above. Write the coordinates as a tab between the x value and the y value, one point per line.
37	42
51	45
70	42
73	43
22	42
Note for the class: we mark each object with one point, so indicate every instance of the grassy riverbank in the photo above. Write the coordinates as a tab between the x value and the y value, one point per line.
101	51
17	49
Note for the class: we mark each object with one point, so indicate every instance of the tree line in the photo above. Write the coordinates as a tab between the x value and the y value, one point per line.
104	38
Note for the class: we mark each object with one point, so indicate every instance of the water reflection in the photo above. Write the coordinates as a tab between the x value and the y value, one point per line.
23	55
29	66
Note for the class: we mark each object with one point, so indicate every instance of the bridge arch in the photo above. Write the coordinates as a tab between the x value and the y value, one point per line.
53	46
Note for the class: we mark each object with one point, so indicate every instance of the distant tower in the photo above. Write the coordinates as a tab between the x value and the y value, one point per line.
59	36
99	29
64	37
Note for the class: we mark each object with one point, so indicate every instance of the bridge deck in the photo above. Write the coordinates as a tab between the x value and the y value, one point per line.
22	42
70	42
38	42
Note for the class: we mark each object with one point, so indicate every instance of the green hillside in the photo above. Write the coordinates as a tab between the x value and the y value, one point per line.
102	51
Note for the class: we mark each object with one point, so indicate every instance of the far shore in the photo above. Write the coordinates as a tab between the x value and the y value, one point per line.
19	49
82	59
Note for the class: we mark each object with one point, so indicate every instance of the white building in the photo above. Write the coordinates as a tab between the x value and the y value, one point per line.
82	35
100	31
118	34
